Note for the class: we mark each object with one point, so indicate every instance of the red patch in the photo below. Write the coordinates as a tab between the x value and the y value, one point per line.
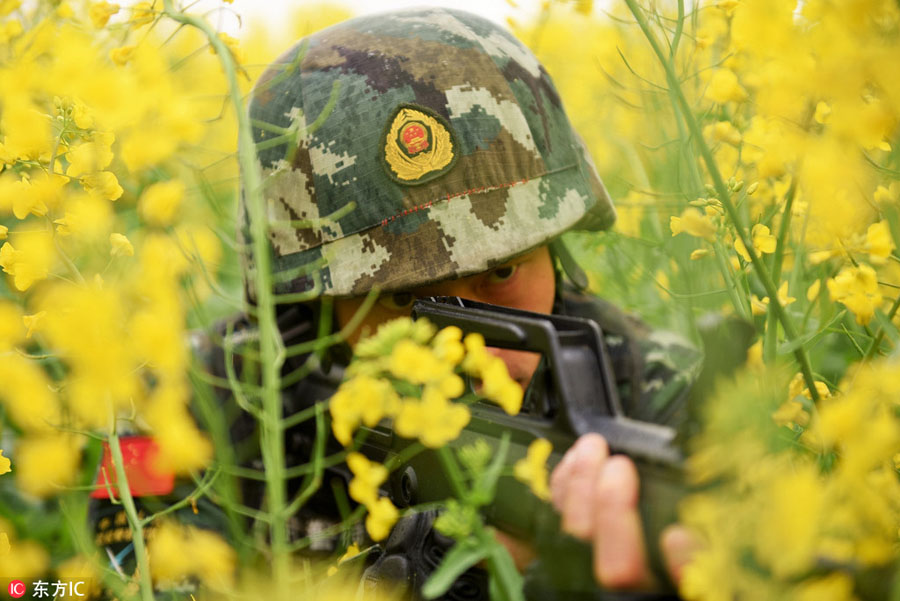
139	454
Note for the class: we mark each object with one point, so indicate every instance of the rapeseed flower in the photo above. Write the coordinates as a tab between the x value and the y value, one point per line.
434	420
100	12
4	464
29	263
694	223
160	202
367	477
382	517
362	399
857	289
178	552
532	469
724	87
46	464
120	245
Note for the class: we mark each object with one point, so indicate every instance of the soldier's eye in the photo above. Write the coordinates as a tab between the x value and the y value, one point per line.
502	274
398	301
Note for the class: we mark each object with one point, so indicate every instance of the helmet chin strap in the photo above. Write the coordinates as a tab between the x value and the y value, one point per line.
566	261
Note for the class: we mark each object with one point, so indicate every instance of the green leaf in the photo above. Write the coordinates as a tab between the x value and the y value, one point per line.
506	582
483	490
458	559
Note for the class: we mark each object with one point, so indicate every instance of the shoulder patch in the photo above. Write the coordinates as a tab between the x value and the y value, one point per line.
419	145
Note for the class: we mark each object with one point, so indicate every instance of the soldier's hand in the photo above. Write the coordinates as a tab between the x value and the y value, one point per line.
597	496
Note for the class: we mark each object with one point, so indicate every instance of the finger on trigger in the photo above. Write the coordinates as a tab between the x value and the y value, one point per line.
579	484
561	475
619	554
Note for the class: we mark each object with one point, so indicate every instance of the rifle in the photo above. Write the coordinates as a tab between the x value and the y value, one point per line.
572	393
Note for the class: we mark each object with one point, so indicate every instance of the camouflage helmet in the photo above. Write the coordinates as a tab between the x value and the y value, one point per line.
410	147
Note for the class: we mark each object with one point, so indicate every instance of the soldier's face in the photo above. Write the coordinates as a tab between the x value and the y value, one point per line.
526	282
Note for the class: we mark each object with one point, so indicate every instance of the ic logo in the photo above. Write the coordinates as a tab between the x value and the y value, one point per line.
17	589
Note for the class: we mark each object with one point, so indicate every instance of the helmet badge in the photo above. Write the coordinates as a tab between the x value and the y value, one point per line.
419	145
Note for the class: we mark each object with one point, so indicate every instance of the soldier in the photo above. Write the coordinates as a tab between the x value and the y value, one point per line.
450	140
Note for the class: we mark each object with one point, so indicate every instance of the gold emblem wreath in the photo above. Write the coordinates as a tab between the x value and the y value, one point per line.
411	168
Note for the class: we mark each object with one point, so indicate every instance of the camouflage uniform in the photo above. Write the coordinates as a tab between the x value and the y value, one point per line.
408	148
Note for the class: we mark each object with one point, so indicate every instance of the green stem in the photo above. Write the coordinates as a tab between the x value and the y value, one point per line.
313	480
879	335
271	347
137	531
724	196
741	305
771	341
457	480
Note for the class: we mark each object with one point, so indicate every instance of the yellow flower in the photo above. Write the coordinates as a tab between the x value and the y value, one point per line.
434	420
532	469
178	552
100	12
887	195
233	46
857	289
92	156
141	14
822	111
46	464
757	306
27	394
103	184
11	332
81	567
4	544
416	363
87	215
4	464
32	321
724	87
754	355
763	241
791	412
694	223
362	399
699	253
29	561
7	6
37	195
794	502
65	10
122	55
29	264
382	517
783	297
741	249
723	131
26	201
798	387
160	202
120	246
4	231
182	446
367	477
82	114
879	242
500	388
351	552
447	345
28	133
813	291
